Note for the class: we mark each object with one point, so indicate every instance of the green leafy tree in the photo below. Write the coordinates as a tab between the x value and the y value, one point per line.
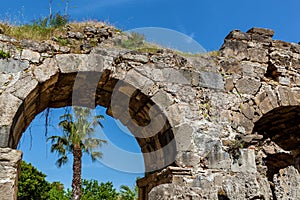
57	192
92	190
126	193
32	184
78	131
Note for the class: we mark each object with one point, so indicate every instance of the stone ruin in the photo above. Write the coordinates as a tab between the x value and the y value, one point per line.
226	123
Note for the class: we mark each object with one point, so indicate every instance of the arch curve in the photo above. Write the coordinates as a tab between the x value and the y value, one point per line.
58	91
280	128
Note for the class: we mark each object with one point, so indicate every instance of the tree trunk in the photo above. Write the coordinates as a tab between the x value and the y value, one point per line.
76	182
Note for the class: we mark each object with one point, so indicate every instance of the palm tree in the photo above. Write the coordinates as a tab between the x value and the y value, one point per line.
78	130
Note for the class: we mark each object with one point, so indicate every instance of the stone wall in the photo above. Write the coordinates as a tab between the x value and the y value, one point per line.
222	125
10	161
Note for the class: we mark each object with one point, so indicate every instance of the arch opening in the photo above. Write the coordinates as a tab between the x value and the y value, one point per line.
281	140
67	89
111	167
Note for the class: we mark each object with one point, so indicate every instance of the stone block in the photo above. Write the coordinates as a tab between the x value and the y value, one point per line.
232	66
266	105
187	159
286	97
248	110
183	137
232	48
4	135
281	59
278	44
176	113
156	125
46	70
69	63
172	192
162	99
174	76
219	160
135	57
211	80
287	184
206	143
23	86
13	66
238	35
30	55
244	186
261	35
9	166
257	55
9	104
266	99
261	31
95	62
229	85
284	80
248	86
239	120
137	80
245	163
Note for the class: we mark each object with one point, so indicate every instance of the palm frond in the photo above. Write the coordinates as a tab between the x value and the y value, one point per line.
96	155
96	120
62	160
93	143
52	138
125	188
78	128
66	116
59	144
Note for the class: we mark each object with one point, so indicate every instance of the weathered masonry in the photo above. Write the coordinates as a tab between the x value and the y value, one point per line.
224	125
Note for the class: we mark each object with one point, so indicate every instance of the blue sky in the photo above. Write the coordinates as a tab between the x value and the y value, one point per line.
205	21
122	161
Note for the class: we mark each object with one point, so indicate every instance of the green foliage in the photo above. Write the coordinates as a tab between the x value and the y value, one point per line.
40	29
41	22
32	184
57	192
92	190
151	50
58	20
234	149
4	55
51	22
135	40
214	53
126	193
63	41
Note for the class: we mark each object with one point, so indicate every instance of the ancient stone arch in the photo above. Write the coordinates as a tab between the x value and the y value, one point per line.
84	80
222	125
